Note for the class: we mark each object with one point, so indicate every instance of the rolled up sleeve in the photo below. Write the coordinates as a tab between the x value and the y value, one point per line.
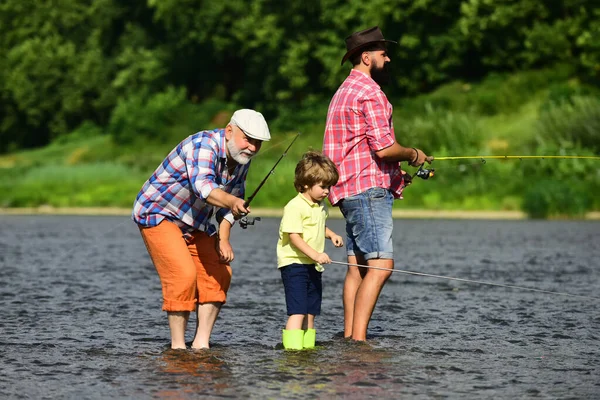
200	164
378	118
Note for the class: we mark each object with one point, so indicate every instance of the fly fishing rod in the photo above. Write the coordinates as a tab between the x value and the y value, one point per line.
245	221
465	280
426	173
483	158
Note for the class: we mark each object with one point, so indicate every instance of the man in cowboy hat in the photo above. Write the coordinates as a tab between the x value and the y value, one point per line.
360	140
202	176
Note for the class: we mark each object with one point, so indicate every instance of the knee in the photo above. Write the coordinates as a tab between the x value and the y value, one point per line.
187	277
383	276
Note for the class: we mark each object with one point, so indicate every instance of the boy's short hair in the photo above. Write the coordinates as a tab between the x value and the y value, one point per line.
314	168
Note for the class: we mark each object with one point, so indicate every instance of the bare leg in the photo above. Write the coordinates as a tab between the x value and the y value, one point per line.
309	322
354	277
295	321
177	323
207	315
367	295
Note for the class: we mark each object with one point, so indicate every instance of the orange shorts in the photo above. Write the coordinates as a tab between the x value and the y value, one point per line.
189	269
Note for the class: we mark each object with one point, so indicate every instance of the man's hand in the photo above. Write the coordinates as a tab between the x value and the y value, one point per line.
224	250
420	158
238	207
407	178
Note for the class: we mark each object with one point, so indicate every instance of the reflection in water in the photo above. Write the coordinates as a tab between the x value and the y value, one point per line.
338	368
81	318
196	372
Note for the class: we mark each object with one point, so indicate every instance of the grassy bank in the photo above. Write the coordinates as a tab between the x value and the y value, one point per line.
530	113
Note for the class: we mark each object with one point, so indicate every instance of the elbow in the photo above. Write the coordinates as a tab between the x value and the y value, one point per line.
384	155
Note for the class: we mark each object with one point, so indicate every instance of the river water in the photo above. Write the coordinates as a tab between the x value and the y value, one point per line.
80	317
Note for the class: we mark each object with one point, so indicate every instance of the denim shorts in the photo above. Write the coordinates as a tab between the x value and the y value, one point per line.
303	289
369	224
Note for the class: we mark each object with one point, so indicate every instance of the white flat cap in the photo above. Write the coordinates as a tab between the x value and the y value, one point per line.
252	123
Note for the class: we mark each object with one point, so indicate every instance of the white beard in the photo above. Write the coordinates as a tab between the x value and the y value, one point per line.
240	156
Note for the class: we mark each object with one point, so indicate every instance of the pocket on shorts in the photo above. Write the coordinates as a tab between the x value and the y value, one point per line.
378	193
352	211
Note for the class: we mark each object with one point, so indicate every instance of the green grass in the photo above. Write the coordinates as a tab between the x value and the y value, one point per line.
535	112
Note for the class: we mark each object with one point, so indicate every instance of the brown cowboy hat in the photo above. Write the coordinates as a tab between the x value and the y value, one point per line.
359	40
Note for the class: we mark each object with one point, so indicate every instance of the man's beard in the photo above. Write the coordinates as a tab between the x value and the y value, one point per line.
240	156
381	75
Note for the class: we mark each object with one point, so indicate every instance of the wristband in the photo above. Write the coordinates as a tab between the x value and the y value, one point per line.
416	156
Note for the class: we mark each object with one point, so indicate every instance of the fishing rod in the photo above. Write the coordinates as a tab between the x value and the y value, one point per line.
245	221
464	280
483	158
426	173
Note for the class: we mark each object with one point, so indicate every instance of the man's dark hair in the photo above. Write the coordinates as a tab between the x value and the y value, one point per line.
355	58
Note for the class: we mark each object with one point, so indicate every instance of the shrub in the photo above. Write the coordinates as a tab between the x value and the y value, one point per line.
146	117
434	129
575	121
551	198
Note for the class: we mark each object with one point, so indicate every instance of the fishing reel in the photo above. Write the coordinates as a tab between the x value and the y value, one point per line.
425	173
245	221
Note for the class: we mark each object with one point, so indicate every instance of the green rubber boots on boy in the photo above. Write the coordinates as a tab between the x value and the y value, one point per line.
298	339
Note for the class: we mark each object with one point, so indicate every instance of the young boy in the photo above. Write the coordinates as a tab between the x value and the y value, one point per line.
302	234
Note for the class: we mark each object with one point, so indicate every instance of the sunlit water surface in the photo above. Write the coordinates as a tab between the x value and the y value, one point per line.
81	317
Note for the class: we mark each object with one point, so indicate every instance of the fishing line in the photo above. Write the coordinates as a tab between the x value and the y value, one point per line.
274	146
466	280
516	158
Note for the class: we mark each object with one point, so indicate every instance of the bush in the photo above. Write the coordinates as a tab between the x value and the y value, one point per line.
575	121
165	117
551	198
434	129
146	117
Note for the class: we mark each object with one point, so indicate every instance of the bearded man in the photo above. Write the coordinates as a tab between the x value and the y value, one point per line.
360	140
202	177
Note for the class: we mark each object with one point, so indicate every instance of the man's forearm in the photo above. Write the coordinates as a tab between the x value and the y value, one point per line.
397	153
220	198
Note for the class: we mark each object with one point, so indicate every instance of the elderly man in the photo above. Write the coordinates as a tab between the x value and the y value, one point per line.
203	176
360	140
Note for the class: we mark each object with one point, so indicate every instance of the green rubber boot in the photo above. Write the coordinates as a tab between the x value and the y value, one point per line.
310	335
292	339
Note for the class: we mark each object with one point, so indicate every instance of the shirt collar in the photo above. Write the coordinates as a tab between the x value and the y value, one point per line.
222	144
362	76
310	203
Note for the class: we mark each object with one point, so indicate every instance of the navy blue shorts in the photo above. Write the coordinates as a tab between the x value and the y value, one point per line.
303	289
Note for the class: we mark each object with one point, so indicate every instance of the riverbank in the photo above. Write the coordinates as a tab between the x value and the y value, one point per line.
276	212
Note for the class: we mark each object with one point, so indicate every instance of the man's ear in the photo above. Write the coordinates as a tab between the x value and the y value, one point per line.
366	58
228	132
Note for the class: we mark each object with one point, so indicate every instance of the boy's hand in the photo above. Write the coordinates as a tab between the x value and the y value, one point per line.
322	258
225	251
337	240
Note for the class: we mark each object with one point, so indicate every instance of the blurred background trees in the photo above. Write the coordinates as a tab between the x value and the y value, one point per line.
69	61
156	70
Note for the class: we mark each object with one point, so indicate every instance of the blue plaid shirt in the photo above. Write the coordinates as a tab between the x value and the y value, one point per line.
179	187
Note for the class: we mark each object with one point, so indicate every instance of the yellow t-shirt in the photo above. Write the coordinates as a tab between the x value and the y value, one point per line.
302	216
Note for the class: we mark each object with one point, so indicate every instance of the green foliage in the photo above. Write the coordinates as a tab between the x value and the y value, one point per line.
435	129
573	121
164	117
67	186
142	117
65	62
553	198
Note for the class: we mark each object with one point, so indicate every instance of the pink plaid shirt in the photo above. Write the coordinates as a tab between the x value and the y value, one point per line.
359	123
